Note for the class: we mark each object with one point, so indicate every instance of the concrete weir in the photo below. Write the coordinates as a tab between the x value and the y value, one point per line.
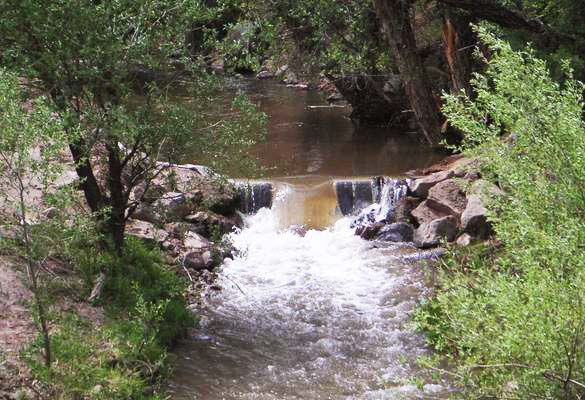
317	204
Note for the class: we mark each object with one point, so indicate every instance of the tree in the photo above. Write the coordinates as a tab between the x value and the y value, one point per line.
107	75
396	19
29	139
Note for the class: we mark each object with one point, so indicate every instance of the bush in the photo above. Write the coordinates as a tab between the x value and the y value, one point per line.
126	355
512	319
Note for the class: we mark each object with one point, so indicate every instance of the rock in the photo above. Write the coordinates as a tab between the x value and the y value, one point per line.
172	206
485	188
368	232
430	234
207	223
426	212
66	179
264	75
146	231
472	175
474	219
290	78
178	230
464	240
366	217
396	232
404	208
198	260
448	196
420	187
194	241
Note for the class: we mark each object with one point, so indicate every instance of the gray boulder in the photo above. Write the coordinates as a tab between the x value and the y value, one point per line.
430	234
474	219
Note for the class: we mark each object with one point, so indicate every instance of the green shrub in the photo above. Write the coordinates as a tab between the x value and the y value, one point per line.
512	320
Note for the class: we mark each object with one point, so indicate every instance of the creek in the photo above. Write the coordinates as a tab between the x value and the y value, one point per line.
308	310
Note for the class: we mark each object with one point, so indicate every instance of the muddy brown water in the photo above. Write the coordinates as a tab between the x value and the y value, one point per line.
313	313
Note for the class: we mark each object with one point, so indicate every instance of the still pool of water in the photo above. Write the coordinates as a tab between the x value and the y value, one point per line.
323	141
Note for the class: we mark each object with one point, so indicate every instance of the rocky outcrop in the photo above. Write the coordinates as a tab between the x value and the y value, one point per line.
446	202
194	207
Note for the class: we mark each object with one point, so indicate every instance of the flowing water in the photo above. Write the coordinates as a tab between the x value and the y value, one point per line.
308	310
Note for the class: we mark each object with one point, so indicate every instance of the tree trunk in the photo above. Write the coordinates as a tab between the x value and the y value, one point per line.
89	183
117	220
395	16
458	43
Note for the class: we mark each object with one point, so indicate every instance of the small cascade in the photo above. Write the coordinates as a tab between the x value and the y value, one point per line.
254	195
386	192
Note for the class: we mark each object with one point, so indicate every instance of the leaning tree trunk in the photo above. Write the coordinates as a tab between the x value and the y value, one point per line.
458	44
395	17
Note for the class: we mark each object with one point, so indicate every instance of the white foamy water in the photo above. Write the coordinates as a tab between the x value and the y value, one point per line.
319	316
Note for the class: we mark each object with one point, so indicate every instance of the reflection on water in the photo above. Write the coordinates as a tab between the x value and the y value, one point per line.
323	141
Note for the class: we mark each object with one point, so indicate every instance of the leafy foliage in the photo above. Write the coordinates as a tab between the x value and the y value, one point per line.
512	318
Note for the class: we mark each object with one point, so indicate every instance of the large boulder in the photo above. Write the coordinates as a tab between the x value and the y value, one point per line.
430	234
448	197
396	232
196	242
474	219
420	187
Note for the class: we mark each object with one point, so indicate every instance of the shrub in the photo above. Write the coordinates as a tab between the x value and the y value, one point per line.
513	320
